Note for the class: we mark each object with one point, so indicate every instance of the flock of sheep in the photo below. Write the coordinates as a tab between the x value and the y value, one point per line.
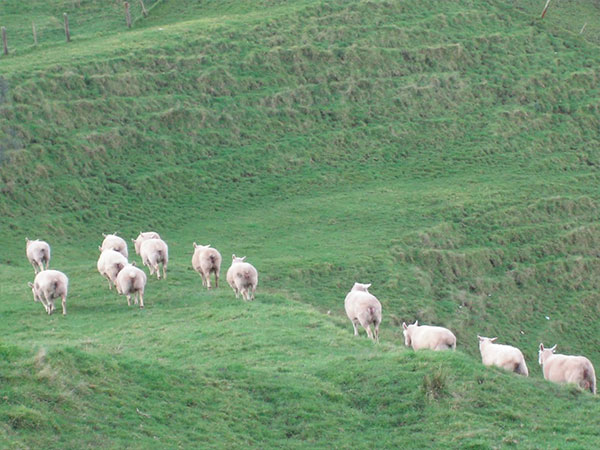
362	308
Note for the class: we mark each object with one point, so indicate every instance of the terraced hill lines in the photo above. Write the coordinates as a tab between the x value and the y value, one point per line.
446	152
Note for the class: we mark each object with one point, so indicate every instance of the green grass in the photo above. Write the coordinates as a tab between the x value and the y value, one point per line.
446	152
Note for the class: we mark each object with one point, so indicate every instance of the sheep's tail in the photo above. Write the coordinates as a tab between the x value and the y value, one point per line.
522	368
132	275
589	375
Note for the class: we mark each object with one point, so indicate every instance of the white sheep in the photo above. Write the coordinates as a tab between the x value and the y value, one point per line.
425	336
242	277
364	308
153	253
206	260
504	356
110	264
38	254
132	280
567	368
114	242
49	285
143	236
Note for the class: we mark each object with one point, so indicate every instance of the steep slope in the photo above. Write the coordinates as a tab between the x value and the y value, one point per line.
447	152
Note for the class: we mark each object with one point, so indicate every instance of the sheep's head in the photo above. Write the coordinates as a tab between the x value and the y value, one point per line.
361	287
484	340
237	259
545	353
408	332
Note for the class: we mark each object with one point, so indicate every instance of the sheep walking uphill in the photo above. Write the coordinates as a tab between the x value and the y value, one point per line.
567	368
242	277
206	260
116	243
49	285
364	309
143	236
425	336
110	264
153	253
505	356
38	254
132	281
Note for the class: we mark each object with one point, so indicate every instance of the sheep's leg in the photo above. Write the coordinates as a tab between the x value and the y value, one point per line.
165	270
216	279
207	275
355	327
377	333
203	278
36	269
369	331
64	305
141	294
42	299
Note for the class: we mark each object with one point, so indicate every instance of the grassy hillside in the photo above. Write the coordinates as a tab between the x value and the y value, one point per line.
446	152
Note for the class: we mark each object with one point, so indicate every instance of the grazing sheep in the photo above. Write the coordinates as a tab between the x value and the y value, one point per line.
207	260
114	242
425	336
153	253
137	242
567	368
364	308
132	280
49	285
110	264
242	277
504	356
38	254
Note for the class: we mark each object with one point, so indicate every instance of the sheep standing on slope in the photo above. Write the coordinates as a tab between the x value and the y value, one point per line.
116	243
425	336
567	368
49	285
153	253
364	308
242	277
206	260
38	254
137	242
504	356
132	280
110	264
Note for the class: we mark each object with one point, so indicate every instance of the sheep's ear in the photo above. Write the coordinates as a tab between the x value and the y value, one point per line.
100	248
133	264
541	347
404	325
195	245
26	239
30	284
416	324
493	339
553	349
104	234
243	258
367	286
233	256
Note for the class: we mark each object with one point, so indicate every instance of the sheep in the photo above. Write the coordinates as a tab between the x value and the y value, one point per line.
131	280
504	356
364	308
110	264
38	254
242	277
154	252
49	285
425	336
114	242
143	236
206	260
567	368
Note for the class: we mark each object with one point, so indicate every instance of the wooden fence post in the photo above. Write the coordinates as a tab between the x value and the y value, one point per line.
67	32
545	8
4	41
127	15
144	10
34	33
